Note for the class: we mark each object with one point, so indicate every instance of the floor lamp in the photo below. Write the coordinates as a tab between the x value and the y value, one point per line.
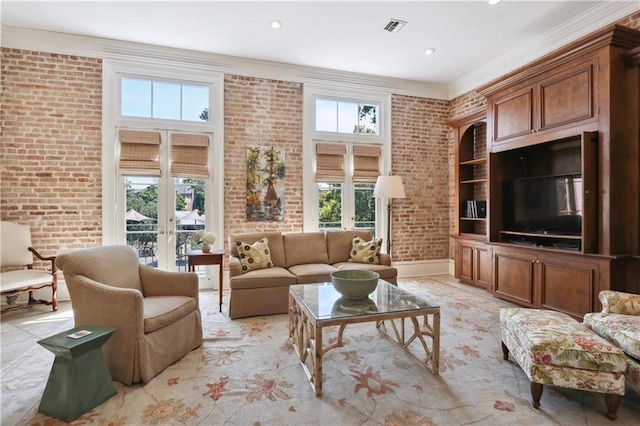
389	187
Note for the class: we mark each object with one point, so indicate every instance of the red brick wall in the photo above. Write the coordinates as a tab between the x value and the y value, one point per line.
51	118
51	146
420	155
259	112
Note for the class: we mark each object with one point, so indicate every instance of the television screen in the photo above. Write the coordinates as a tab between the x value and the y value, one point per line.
548	204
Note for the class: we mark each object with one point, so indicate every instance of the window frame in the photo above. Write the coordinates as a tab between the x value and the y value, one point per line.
310	137
113	71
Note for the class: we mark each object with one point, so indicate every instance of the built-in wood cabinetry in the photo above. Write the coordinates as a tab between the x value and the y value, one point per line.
549	279
574	112
551	101
472	262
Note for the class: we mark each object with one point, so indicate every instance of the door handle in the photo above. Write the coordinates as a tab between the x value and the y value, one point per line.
161	232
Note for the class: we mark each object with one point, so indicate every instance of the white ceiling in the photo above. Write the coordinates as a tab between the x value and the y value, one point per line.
469	36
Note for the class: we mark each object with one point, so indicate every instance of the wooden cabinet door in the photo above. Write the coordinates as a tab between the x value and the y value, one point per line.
512	115
567	97
482	266
567	287
465	262
513	277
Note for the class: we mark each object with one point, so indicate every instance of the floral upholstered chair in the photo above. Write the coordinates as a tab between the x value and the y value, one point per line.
619	323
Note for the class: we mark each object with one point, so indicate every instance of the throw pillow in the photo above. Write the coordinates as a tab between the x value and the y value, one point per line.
365	252
254	256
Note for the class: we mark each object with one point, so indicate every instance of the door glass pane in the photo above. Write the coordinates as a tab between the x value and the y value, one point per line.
142	218
195	103
166	100
330	206
190	217
326	115
347	117
135	98
368	119
365	208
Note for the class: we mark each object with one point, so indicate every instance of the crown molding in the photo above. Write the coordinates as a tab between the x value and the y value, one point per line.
107	49
602	14
591	20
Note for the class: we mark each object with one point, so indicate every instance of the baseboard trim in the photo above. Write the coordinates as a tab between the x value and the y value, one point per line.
417	268
408	269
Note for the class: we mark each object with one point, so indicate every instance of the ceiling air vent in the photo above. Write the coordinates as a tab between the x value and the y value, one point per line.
394	25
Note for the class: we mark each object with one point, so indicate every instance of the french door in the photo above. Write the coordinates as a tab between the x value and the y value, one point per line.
158	214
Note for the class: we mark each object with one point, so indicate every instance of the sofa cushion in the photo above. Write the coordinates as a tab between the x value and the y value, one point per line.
617	302
622	330
305	247
312	273
385	272
276	245
160	311
365	251
339	244
261	278
254	256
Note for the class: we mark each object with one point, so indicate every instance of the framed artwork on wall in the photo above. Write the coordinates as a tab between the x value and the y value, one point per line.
265	183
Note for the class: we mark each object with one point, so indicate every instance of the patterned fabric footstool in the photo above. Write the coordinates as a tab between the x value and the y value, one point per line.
554	349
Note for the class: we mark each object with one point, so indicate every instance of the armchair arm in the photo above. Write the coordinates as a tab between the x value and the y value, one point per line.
617	302
99	304
235	267
385	259
156	282
51	259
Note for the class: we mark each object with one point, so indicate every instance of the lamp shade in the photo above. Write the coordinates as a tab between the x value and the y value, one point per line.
389	187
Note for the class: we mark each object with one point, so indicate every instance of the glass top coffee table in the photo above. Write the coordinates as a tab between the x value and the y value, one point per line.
315	306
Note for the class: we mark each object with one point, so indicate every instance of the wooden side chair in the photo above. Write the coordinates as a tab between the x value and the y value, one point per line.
18	274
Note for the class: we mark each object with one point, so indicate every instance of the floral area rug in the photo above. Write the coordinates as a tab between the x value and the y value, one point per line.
247	373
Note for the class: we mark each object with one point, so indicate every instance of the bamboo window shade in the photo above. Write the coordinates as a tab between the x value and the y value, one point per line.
330	162
139	153
189	155
366	163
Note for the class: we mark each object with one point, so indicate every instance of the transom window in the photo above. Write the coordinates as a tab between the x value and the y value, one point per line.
163	100
346	147
346	117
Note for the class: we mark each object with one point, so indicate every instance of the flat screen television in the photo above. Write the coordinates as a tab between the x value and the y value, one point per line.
544	204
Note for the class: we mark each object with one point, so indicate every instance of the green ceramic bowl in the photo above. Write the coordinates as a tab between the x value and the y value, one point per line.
355	284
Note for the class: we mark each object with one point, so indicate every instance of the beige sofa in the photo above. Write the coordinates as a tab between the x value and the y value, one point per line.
298	258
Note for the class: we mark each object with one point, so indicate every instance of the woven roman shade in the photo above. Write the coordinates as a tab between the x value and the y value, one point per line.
189	155
139	153
366	163
330	162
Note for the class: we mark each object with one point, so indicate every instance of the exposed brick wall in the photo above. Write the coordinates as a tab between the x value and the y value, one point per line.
420	154
51	118
259	112
50	153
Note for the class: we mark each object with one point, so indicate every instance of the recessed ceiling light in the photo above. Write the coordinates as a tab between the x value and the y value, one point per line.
275	24
430	51
492	2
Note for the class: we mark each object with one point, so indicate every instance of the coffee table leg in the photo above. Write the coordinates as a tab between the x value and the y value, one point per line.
317	356
435	351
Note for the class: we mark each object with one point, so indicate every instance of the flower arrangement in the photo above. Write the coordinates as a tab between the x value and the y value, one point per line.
203	237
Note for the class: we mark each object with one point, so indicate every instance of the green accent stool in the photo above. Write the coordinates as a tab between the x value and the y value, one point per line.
79	379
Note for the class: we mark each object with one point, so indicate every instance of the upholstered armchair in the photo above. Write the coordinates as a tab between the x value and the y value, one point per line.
18	274
155	313
619	323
